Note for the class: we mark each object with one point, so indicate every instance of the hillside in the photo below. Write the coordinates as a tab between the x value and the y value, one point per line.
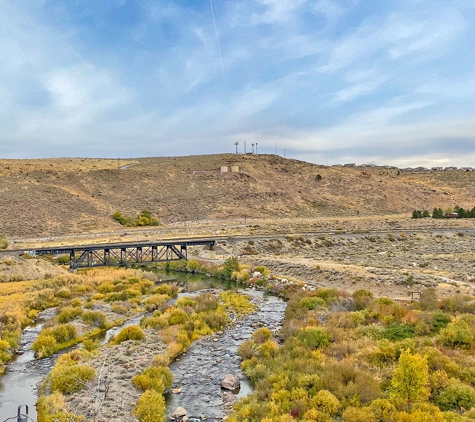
61	196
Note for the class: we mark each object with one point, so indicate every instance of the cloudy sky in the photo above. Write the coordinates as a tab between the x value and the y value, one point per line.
329	81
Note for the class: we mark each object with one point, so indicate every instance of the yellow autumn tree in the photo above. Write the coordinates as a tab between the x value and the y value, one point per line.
410	379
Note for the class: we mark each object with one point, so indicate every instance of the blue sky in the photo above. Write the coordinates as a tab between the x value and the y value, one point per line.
330	81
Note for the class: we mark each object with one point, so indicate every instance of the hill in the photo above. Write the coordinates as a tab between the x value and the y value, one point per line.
62	196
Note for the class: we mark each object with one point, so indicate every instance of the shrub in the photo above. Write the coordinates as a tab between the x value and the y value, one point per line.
248	349
164	289
262	335
216	320
177	316
71	379
186	302
119	308
328	295
362	299
68	313
150	407
237	302
326	402
153	302
312	303
95	318
399	332
76	302
158	378
133	332
90	345
457	335
63	293
155	322
44	345
314	337
360	414
457	397
61	333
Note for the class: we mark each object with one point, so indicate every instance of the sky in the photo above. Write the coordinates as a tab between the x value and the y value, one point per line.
325	81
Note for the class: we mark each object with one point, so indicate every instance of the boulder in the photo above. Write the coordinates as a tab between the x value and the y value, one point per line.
179	412
230	382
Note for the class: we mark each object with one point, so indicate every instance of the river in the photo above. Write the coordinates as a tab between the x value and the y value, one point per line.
198	372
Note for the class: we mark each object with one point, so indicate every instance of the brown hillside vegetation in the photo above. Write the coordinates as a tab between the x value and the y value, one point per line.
61	196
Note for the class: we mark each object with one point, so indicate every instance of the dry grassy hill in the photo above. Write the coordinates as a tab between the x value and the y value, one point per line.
58	196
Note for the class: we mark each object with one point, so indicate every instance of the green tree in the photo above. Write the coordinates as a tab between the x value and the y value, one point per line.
230	265
410	379
425	214
318	178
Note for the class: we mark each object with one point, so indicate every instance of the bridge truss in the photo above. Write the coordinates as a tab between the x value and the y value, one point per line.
126	253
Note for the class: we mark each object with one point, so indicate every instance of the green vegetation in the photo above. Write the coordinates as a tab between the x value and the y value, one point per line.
440	213
145	218
362	358
132	332
151	407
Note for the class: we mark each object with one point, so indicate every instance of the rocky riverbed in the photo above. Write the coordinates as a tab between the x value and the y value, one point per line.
198	373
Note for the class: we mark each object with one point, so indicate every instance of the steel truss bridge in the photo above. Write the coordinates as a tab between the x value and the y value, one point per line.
122	254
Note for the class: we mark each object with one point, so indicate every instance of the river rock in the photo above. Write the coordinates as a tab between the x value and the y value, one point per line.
179	412
230	382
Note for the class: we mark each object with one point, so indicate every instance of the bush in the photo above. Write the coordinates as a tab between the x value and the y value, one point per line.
44	345
399	332
95	318
164	289
70	379
61	333
314	337
456	397
133	332
359	414
68	313
326	402
362	299
158	378
151	407
63	293
119	309
177	316
457	335
153	302
312	303
262	335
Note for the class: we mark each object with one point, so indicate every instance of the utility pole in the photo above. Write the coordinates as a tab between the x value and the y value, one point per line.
285	151
236	144
256	148
252	148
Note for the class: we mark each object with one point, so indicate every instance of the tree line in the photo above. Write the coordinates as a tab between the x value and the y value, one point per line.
440	213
